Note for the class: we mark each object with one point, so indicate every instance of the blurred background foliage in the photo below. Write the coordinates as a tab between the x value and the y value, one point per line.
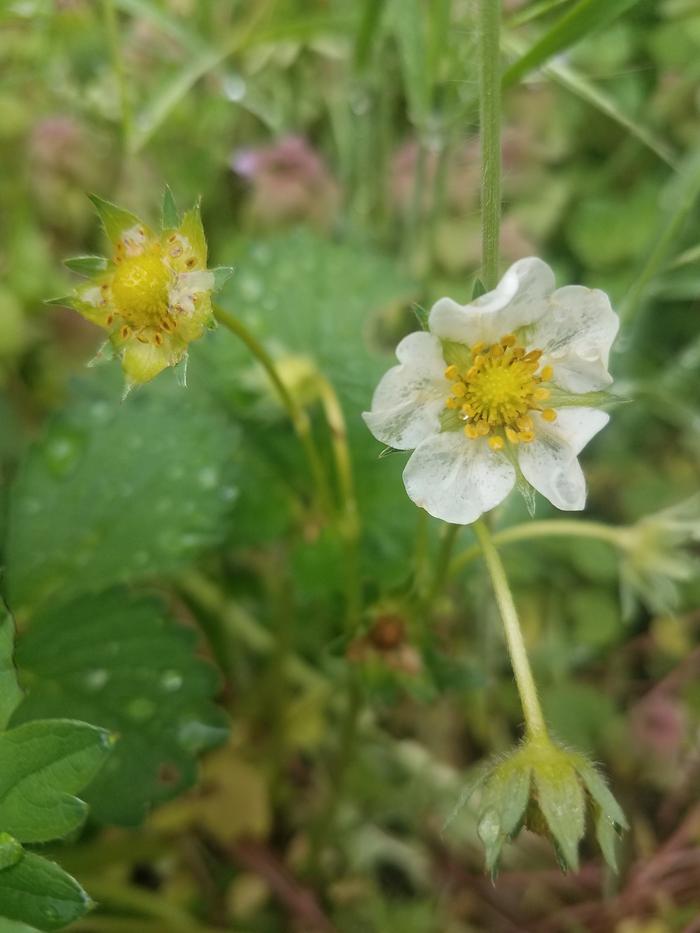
166	553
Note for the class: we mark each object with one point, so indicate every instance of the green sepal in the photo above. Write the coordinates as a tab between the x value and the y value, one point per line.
221	276
10	851
559	398
65	301
607	837
457	354
478	289
191	227
87	265
421	315
561	801
170	217
115	220
600	792
524	488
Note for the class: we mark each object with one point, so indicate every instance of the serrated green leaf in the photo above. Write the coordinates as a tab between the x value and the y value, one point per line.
37	892
170	217
44	764
149	479
115	220
584	17
10	693
560	798
87	265
10	851
124	664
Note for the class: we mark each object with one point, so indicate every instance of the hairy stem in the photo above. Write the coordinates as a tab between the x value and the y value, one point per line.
534	720
490	129
548	528
299	418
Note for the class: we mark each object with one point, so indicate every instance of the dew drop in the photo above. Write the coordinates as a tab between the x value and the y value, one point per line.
96	679
171	681
140	709
63	451
208	477
251	288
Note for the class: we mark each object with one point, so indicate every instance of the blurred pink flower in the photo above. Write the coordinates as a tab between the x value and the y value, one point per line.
289	181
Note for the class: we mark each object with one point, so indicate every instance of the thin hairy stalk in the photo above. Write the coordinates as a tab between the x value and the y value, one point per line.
115	54
534	720
443	563
566	528
490	129
299	418
349	518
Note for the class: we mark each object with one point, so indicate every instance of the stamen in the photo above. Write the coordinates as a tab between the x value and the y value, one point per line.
451	373
496	442
549	414
512	435
541	393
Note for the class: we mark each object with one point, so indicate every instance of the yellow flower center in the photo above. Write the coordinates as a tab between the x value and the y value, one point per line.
496	393
140	288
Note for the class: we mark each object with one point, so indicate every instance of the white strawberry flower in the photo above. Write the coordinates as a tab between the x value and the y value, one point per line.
499	390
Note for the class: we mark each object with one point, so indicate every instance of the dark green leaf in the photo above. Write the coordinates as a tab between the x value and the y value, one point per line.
124	664
11	851
44	764
10	693
150	480
39	893
584	17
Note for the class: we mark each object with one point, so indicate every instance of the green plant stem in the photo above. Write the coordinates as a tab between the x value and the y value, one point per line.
299	418
349	519
115	54
566	528
442	565
534	720
490	130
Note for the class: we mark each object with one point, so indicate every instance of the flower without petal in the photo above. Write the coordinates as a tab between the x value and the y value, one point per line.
153	295
499	392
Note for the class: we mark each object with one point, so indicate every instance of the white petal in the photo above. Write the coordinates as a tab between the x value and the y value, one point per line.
519	299
576	336
407	402
457	479
549	463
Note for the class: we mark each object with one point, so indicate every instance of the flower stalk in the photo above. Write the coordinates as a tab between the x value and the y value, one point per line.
490	128
525	682
299	418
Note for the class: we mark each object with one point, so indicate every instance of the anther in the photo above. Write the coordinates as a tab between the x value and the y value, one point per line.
496	442
541	393
549	414
509	340
512	435
546	373
471	431
451	373
451	402
459	389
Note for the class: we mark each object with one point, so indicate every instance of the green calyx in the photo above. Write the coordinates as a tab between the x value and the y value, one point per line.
547	789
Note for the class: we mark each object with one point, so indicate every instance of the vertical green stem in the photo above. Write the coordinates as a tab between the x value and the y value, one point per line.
534	720
349	518
115	53
490	128
299	418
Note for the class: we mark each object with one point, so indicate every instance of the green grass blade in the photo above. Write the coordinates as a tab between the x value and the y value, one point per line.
585	17
586	90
